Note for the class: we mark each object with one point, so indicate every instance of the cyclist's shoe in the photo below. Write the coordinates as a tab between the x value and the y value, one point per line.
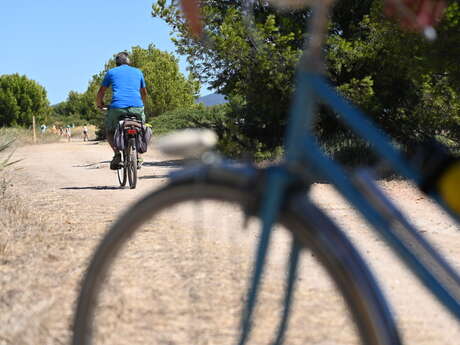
140	161
116	160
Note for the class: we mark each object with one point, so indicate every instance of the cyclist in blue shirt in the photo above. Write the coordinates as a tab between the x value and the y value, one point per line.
128	97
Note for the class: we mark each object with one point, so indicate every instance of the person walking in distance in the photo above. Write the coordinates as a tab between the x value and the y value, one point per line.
68	132
128	98
85	133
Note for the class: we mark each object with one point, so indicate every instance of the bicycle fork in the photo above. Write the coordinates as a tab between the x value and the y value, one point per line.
272	199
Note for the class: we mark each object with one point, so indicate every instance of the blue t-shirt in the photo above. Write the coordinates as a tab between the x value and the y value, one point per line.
126	82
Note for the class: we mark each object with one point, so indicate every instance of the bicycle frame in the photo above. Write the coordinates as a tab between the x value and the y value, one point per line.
415	251
360	190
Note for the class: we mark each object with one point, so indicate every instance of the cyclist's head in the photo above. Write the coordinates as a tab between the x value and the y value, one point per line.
122	59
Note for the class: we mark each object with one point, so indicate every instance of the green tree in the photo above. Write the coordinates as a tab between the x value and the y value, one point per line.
82	106
405	83
20	99
78	106
408	85
167	87
257	78
219	118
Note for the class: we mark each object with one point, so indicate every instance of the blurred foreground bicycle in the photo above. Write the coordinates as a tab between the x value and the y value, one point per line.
191	288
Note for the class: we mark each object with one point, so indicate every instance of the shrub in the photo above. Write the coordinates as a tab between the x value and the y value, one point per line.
224	120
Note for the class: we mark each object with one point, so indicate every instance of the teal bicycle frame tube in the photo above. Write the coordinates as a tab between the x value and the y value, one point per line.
360	125
301	146
336	176
302	149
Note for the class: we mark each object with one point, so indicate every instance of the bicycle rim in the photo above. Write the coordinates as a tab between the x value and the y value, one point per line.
132	164
161	275
121	172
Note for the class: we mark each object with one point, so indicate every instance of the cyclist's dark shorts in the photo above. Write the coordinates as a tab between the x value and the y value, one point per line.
114	114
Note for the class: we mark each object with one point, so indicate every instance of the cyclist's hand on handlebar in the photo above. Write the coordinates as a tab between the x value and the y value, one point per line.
416	15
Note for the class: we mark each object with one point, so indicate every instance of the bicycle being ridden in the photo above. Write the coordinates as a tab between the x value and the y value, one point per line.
129	94
129	138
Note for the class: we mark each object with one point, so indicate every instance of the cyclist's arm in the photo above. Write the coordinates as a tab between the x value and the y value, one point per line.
412	14
416	14
100	97
143	91
191	10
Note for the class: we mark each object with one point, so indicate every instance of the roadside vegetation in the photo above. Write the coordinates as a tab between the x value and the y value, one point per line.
8	205
22	136
17	219
19	223
408	86
168	89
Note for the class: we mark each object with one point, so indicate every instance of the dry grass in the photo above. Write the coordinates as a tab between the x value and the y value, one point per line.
12	212
23	247
33	273
21	239
17	222
182	279
23	136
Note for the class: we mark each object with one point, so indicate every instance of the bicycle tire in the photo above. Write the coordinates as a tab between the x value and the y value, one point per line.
121	172
308	225
132	163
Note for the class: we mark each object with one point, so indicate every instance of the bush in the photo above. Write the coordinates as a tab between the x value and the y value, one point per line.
217	118
224	120
194	117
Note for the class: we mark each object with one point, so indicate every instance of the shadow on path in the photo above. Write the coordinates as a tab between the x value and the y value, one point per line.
94	188
168	163
91	165
149	177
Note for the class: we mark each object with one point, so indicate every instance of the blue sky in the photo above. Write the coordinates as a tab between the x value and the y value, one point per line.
62	43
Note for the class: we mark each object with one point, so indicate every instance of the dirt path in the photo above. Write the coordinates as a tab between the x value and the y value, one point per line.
69	187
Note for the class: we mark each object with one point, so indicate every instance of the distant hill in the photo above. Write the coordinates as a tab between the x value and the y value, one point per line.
212	99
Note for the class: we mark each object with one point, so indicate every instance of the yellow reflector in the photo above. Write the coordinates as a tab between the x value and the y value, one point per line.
449	186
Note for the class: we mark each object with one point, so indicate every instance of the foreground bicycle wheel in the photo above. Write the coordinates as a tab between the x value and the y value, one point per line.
132	163
122	172
174	270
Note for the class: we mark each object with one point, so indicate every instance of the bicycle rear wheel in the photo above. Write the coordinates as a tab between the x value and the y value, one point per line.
122	172
164	275
132	163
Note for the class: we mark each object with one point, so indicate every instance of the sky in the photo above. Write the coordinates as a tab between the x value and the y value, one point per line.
61	44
